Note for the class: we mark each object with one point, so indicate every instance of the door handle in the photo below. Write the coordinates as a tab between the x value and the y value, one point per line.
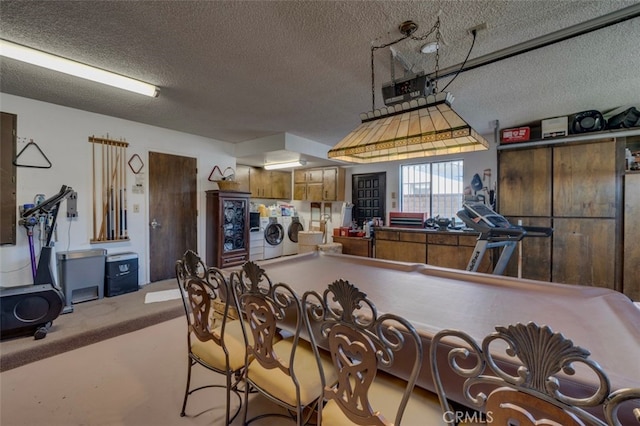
155	224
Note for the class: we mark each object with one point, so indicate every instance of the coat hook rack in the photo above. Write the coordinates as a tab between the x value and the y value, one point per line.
31	142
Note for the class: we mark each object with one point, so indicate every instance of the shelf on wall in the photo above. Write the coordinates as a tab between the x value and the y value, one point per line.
618	133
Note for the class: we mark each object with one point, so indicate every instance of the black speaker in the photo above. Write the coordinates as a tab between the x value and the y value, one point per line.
625	119
588	121
29	309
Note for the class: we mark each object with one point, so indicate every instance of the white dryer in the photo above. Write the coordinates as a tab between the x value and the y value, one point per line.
273	237
292	225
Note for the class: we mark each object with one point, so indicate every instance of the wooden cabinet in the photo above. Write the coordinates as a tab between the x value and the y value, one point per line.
444	249
280	183
574	187
242	177
355	246
227	228
401	245
527	173
454	251
325	184
264	183
584	251
631	272
585	182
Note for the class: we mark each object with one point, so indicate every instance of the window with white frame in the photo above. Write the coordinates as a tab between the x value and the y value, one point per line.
432	188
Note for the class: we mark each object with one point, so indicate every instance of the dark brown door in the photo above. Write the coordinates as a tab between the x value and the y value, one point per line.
173	213
8	178
368	195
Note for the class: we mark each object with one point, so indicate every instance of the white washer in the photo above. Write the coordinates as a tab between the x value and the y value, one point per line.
292	225
273	237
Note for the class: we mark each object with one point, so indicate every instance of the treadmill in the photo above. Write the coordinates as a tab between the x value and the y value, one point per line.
495	232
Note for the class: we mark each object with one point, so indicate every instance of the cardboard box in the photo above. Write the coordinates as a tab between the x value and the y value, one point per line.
555	127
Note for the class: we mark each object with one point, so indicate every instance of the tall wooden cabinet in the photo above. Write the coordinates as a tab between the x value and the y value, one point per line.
576	188
227	228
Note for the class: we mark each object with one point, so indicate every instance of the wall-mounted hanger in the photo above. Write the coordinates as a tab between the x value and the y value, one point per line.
31	142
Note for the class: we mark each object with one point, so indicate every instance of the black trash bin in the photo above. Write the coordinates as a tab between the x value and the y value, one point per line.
121	274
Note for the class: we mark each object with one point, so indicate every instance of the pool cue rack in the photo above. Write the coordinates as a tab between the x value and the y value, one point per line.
109	190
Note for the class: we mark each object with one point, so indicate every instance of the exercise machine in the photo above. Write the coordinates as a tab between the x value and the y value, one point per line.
495	232
31	309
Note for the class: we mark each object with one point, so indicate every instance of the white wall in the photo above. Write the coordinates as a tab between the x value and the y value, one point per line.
62	135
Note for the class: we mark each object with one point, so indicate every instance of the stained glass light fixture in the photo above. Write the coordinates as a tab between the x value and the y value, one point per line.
423	127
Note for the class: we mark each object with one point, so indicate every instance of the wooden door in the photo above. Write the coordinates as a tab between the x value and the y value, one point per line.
368	195
173	212
525	182
584	252
585	180
314	191
8	178
631	279
315	175
300	191
281	185
329	184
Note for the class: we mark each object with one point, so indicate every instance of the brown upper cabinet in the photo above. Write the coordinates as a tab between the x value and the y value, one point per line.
323	184
264	183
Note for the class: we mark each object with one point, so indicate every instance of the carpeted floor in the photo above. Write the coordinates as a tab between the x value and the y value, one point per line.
92	322
80	374
134	379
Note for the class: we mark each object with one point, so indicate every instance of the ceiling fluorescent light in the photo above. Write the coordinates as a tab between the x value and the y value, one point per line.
424	127
274	166
57	63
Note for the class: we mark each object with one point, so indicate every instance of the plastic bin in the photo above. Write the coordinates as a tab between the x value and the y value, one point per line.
121	274
81	275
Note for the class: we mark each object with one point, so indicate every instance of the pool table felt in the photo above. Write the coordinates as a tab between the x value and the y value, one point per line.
600	320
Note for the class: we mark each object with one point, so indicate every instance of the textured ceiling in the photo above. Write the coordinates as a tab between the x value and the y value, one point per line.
241	70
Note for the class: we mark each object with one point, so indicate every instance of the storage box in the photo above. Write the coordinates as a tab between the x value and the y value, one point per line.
555	127
121	274
407	220
344	231
81	275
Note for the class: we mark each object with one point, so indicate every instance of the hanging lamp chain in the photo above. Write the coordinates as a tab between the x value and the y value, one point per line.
438	35
435	28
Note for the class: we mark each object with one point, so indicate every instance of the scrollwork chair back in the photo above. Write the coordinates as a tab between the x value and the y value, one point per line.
217	346
273	362
529	393
360	342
